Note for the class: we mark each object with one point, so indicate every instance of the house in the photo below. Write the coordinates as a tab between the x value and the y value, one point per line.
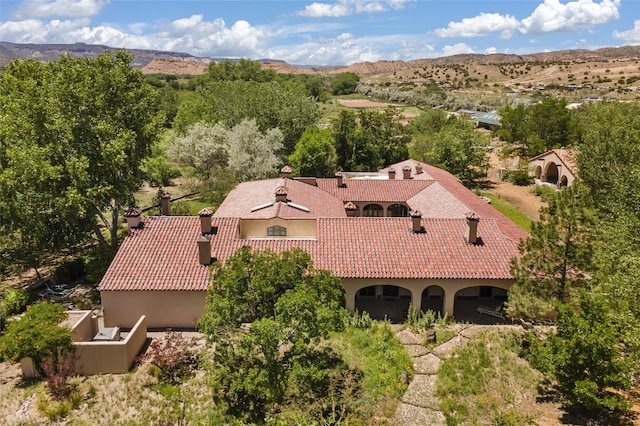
410	233
557	167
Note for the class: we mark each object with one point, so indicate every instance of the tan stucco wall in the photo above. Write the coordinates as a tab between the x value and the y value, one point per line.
544	162
257	228
176	309
85	328
112	357
417	286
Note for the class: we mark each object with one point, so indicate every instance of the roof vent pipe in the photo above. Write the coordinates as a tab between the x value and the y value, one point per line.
205	220
471	235
165	204
204	250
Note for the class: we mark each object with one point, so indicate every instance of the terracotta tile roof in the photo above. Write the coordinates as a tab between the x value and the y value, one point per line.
163	254
373	190
248	196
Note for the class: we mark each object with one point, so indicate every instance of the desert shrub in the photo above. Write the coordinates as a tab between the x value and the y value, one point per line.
360	320
420	320
36	335
520	177
15	300
172	358
544	192
56	371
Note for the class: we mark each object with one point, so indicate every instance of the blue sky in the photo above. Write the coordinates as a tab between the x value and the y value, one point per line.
326	32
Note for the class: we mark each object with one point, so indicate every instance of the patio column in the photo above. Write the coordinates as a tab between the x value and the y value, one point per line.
350	296
416	300
447	302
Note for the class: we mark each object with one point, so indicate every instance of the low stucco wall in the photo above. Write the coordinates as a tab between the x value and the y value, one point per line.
111	357
163	309
85	327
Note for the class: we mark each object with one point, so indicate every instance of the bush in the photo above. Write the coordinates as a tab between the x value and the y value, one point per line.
56	371
15	300
173	358
544	192
520	178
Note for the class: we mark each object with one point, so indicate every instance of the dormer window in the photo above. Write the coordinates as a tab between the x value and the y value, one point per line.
276	231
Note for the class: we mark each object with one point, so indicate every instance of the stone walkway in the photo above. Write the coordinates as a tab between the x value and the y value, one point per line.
419	405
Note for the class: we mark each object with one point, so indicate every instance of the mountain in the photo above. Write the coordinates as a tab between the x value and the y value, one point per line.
161	62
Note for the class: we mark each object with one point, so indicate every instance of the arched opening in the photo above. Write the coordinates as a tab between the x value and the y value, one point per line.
538	172
552	173
373	210
433	299
384	301
480	305
397	210
563	182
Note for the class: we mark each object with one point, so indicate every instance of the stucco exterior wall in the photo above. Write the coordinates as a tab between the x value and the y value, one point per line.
544	163
175	309
257	228
111	357
416	287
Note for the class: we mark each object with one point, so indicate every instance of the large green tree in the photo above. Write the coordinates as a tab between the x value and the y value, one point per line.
73	136
557	258
290	306
315	154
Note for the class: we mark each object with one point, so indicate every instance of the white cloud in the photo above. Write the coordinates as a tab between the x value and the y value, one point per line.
490	50
320	10
351	7
59	8
192	35
630	36
480	25
456	49
552	16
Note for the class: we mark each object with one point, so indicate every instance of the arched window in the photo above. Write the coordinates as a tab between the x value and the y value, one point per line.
373	210
276	231
397	210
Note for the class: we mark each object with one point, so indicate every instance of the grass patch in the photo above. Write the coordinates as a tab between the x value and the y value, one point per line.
387	368
486	382
443	334
520	219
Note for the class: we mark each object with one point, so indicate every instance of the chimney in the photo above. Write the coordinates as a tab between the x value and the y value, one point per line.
205	220
392	174
204	250
406	172
472	228
133	217
281	194
340	179
418	169
286	172
416	219
351	209
165	204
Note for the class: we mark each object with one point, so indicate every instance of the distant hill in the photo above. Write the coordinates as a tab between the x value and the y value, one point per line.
161	62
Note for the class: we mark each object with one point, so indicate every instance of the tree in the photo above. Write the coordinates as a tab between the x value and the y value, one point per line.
514	129
242	70
344	83
37	335
585	357
450	143
74	134
315	153
290	306
252	153
554	261
203	147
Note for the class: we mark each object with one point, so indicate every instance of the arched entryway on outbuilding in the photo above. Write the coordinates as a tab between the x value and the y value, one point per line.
480	304
433	299
384	301
538	172
551	173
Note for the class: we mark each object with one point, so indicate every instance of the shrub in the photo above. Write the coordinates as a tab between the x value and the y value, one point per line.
15	300
56	371
520	178
360	320
173	358
68	270
544	192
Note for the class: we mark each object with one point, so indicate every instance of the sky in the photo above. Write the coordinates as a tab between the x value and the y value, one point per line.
343	32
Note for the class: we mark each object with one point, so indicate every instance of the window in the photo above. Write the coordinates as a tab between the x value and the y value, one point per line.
276	231
397	210
373	210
